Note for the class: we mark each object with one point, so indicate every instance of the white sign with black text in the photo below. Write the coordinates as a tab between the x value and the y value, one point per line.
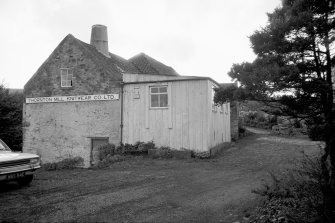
97	97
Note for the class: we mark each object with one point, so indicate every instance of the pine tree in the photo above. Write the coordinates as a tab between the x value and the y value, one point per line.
293	74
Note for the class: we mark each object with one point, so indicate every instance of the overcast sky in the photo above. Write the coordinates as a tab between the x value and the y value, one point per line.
195	37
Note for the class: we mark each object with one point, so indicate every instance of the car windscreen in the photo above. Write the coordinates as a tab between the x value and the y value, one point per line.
3	146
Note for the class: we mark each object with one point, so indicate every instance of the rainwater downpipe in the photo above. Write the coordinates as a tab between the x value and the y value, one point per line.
121	125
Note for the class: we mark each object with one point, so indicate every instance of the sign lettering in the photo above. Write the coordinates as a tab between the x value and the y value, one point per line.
55	99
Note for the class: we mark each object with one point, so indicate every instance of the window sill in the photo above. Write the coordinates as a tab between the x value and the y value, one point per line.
158	108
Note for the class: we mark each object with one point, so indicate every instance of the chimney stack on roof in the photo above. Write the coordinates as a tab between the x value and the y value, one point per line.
99	39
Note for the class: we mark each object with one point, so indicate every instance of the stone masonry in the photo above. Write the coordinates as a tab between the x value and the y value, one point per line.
62	130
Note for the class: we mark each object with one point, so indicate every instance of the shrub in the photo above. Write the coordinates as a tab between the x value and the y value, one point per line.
273	120
148	145
11	118
119	149
293	196
241	130
109	160
105	150
166	152
202	155
316	132
68	163
259	119
138	148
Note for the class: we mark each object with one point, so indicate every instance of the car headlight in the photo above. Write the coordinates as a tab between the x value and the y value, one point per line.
34	160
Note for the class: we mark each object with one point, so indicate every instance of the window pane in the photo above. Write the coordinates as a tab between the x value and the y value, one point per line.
69	76
64	75
154	90
163	102
163	89
154	101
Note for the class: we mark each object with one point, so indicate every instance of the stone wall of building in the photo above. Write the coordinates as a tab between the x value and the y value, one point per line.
234	114
89	76
56	131
60	130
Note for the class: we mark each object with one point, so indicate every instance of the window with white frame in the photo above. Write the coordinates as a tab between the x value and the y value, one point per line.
158	97
66	77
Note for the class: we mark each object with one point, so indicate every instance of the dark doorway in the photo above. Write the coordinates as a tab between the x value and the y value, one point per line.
95	143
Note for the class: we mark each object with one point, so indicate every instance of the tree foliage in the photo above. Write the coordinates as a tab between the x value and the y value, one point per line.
11	118
293	73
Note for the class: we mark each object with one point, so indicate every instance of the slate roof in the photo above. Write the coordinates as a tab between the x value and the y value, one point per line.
148	65
114	63
139	64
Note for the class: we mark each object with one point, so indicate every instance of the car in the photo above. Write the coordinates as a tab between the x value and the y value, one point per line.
16	166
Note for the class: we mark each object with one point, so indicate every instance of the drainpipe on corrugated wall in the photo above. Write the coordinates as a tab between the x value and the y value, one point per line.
121	125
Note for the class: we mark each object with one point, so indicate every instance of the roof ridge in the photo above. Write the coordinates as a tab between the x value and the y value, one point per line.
113	61
149	62
67	37
150	65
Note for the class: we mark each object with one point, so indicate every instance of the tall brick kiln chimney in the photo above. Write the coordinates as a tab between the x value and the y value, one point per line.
99	39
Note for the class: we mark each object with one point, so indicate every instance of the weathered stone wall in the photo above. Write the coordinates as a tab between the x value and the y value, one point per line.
234	113
89	77
61	130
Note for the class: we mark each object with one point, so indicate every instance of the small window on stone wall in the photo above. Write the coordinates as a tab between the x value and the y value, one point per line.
66	77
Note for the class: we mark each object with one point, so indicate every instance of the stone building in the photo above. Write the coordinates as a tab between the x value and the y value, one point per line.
74	102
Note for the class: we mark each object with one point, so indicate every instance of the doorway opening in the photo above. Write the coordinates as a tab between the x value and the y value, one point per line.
95	143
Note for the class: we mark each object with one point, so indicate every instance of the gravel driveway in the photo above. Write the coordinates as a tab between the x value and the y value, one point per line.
146	190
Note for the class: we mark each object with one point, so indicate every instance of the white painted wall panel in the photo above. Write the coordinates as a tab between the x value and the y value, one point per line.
182	125
187	123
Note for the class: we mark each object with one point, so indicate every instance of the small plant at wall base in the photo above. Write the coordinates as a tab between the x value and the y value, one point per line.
68	163
109	160
139	148
109	154
106	150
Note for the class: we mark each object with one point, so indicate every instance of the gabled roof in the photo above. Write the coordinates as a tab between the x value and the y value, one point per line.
148	65
139	64
114	63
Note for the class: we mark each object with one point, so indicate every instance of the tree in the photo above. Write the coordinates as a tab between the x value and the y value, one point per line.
11	118
292	73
